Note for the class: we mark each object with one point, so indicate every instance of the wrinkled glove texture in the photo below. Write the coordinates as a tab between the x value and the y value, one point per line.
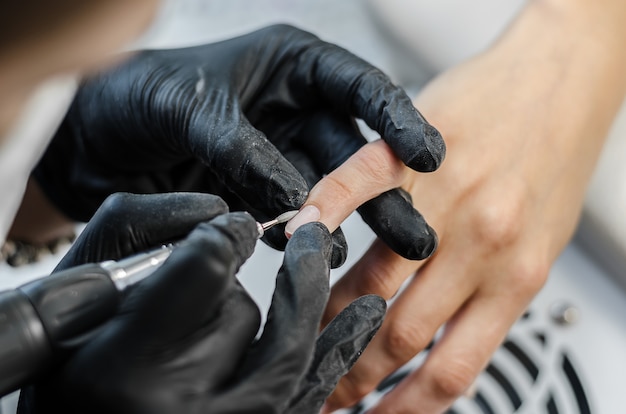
257	120
183	339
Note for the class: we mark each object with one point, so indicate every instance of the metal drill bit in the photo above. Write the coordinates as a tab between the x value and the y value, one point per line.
283	218
131	270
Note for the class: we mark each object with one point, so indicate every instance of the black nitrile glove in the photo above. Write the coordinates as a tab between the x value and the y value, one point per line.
337	348
227	118
131	223
181	342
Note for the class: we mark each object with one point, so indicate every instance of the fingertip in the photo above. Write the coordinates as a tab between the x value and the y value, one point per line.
307	214
325	409
268	178
429	158
403	229
374	305
288	189
239	220
312	231
340	249
356	325
212	204
430	249
312	236
234	232
330	406
425	247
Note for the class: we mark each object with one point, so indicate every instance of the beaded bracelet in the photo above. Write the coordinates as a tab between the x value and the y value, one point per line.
18	253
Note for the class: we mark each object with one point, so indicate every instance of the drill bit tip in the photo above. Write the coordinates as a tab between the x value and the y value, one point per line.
283	218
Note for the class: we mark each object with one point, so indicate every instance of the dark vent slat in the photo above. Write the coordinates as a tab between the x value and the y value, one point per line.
517	357
357	409
482	403
541	338
551	406
506	385
392	380
523	358
577	386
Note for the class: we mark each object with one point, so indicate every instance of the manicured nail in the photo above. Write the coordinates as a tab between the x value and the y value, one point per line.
306	215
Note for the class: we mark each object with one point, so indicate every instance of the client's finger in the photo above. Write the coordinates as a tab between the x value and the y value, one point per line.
368	173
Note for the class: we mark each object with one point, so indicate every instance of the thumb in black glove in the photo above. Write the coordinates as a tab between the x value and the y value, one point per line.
131	223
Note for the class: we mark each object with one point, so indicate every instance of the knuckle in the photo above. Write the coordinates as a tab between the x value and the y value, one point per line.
351	390
377	281
339	187
529	276
404	340
117	215
278	33
451	379
360	390
245	305
380	165
499	225
117	203
216	203
282	29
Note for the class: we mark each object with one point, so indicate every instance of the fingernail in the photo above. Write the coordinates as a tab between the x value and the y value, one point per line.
306	215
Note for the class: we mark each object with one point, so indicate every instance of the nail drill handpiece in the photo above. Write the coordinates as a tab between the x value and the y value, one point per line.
63	310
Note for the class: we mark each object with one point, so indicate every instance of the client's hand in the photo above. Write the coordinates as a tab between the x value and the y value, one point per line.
524	124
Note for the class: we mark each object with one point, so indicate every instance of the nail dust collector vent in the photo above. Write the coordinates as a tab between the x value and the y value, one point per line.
528	374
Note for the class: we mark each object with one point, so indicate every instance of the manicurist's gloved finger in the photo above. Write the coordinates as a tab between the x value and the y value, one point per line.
330	140
130	223
247	163
356	87
275	364
218	248
394	220
336	350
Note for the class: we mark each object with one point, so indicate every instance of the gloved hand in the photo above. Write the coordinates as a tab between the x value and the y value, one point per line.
182	340
127	223
257	120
